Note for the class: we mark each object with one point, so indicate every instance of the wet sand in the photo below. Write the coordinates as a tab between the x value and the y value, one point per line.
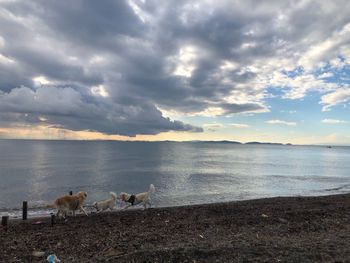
293	229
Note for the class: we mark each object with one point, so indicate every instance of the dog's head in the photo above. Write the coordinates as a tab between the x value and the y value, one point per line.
123	196
82	196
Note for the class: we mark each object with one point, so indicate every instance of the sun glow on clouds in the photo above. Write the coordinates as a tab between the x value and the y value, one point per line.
41	80
4	59
209	112
99	90
186	61
239	125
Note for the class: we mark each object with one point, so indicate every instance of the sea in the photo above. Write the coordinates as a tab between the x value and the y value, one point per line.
184	173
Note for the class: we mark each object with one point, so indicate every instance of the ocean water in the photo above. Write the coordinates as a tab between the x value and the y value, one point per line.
183	173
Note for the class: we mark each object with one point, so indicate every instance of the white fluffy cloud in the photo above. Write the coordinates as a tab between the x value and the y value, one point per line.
333	121
281	122
332	99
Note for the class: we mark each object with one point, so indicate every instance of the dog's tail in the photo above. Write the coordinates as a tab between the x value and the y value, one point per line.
152	189
114	195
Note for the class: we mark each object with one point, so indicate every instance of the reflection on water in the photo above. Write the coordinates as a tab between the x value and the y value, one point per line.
184	173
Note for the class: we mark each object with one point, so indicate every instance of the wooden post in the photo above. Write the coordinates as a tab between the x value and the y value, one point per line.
52	219
70	192
25	210
4	221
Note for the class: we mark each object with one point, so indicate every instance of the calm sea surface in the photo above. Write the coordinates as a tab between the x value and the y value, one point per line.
183	173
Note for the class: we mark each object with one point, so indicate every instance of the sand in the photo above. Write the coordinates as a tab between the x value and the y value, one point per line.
293	229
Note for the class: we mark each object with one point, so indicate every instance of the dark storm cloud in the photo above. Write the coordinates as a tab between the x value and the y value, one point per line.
112	65
67	108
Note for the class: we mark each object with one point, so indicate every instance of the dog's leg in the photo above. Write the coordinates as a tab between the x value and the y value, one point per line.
82	209
59	214
127	206
147	202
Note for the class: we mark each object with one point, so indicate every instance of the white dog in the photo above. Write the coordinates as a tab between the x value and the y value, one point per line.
144	198
105	204
67	203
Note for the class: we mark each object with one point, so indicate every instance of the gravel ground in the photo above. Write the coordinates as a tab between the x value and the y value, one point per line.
288	229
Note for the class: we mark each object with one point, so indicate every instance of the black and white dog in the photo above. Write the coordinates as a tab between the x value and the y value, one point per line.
141	198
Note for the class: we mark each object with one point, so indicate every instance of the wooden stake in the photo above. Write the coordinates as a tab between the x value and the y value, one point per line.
25	210
52	219
4	221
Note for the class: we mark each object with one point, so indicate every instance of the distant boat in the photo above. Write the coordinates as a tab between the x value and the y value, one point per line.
329	146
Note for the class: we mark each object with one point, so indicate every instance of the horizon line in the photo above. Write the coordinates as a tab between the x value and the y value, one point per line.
199	141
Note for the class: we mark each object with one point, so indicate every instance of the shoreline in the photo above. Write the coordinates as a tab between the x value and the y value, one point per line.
306	229
46	213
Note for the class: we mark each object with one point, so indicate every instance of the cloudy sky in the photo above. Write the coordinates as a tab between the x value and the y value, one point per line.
276	71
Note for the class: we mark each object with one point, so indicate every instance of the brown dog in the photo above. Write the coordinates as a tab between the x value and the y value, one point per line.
67	203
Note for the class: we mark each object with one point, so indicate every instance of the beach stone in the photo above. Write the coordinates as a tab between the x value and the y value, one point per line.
38	254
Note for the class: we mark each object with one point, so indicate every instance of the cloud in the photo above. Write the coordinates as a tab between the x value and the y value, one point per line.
67	108
213	126
239	125
333	121
281	122
326	75
116	63
327	49
337	97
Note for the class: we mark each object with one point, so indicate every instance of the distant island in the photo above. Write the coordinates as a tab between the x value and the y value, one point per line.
268	143
235	142
167	141
224	141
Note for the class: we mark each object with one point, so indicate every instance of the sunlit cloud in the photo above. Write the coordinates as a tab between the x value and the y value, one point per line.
281	122
213	126
99	90
337	97
333	121
239	125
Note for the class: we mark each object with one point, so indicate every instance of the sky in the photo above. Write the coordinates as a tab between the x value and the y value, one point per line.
268	71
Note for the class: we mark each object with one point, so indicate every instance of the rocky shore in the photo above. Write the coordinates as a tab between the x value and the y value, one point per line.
293	229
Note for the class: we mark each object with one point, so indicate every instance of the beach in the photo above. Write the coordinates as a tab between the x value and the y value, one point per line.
281	229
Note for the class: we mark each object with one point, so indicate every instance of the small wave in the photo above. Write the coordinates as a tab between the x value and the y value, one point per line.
205	177
342	187
34	211
311	177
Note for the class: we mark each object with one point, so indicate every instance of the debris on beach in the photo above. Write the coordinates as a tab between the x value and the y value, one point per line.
303	229
38	254
53	259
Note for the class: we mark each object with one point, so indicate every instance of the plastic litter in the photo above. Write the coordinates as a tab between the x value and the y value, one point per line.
53	258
